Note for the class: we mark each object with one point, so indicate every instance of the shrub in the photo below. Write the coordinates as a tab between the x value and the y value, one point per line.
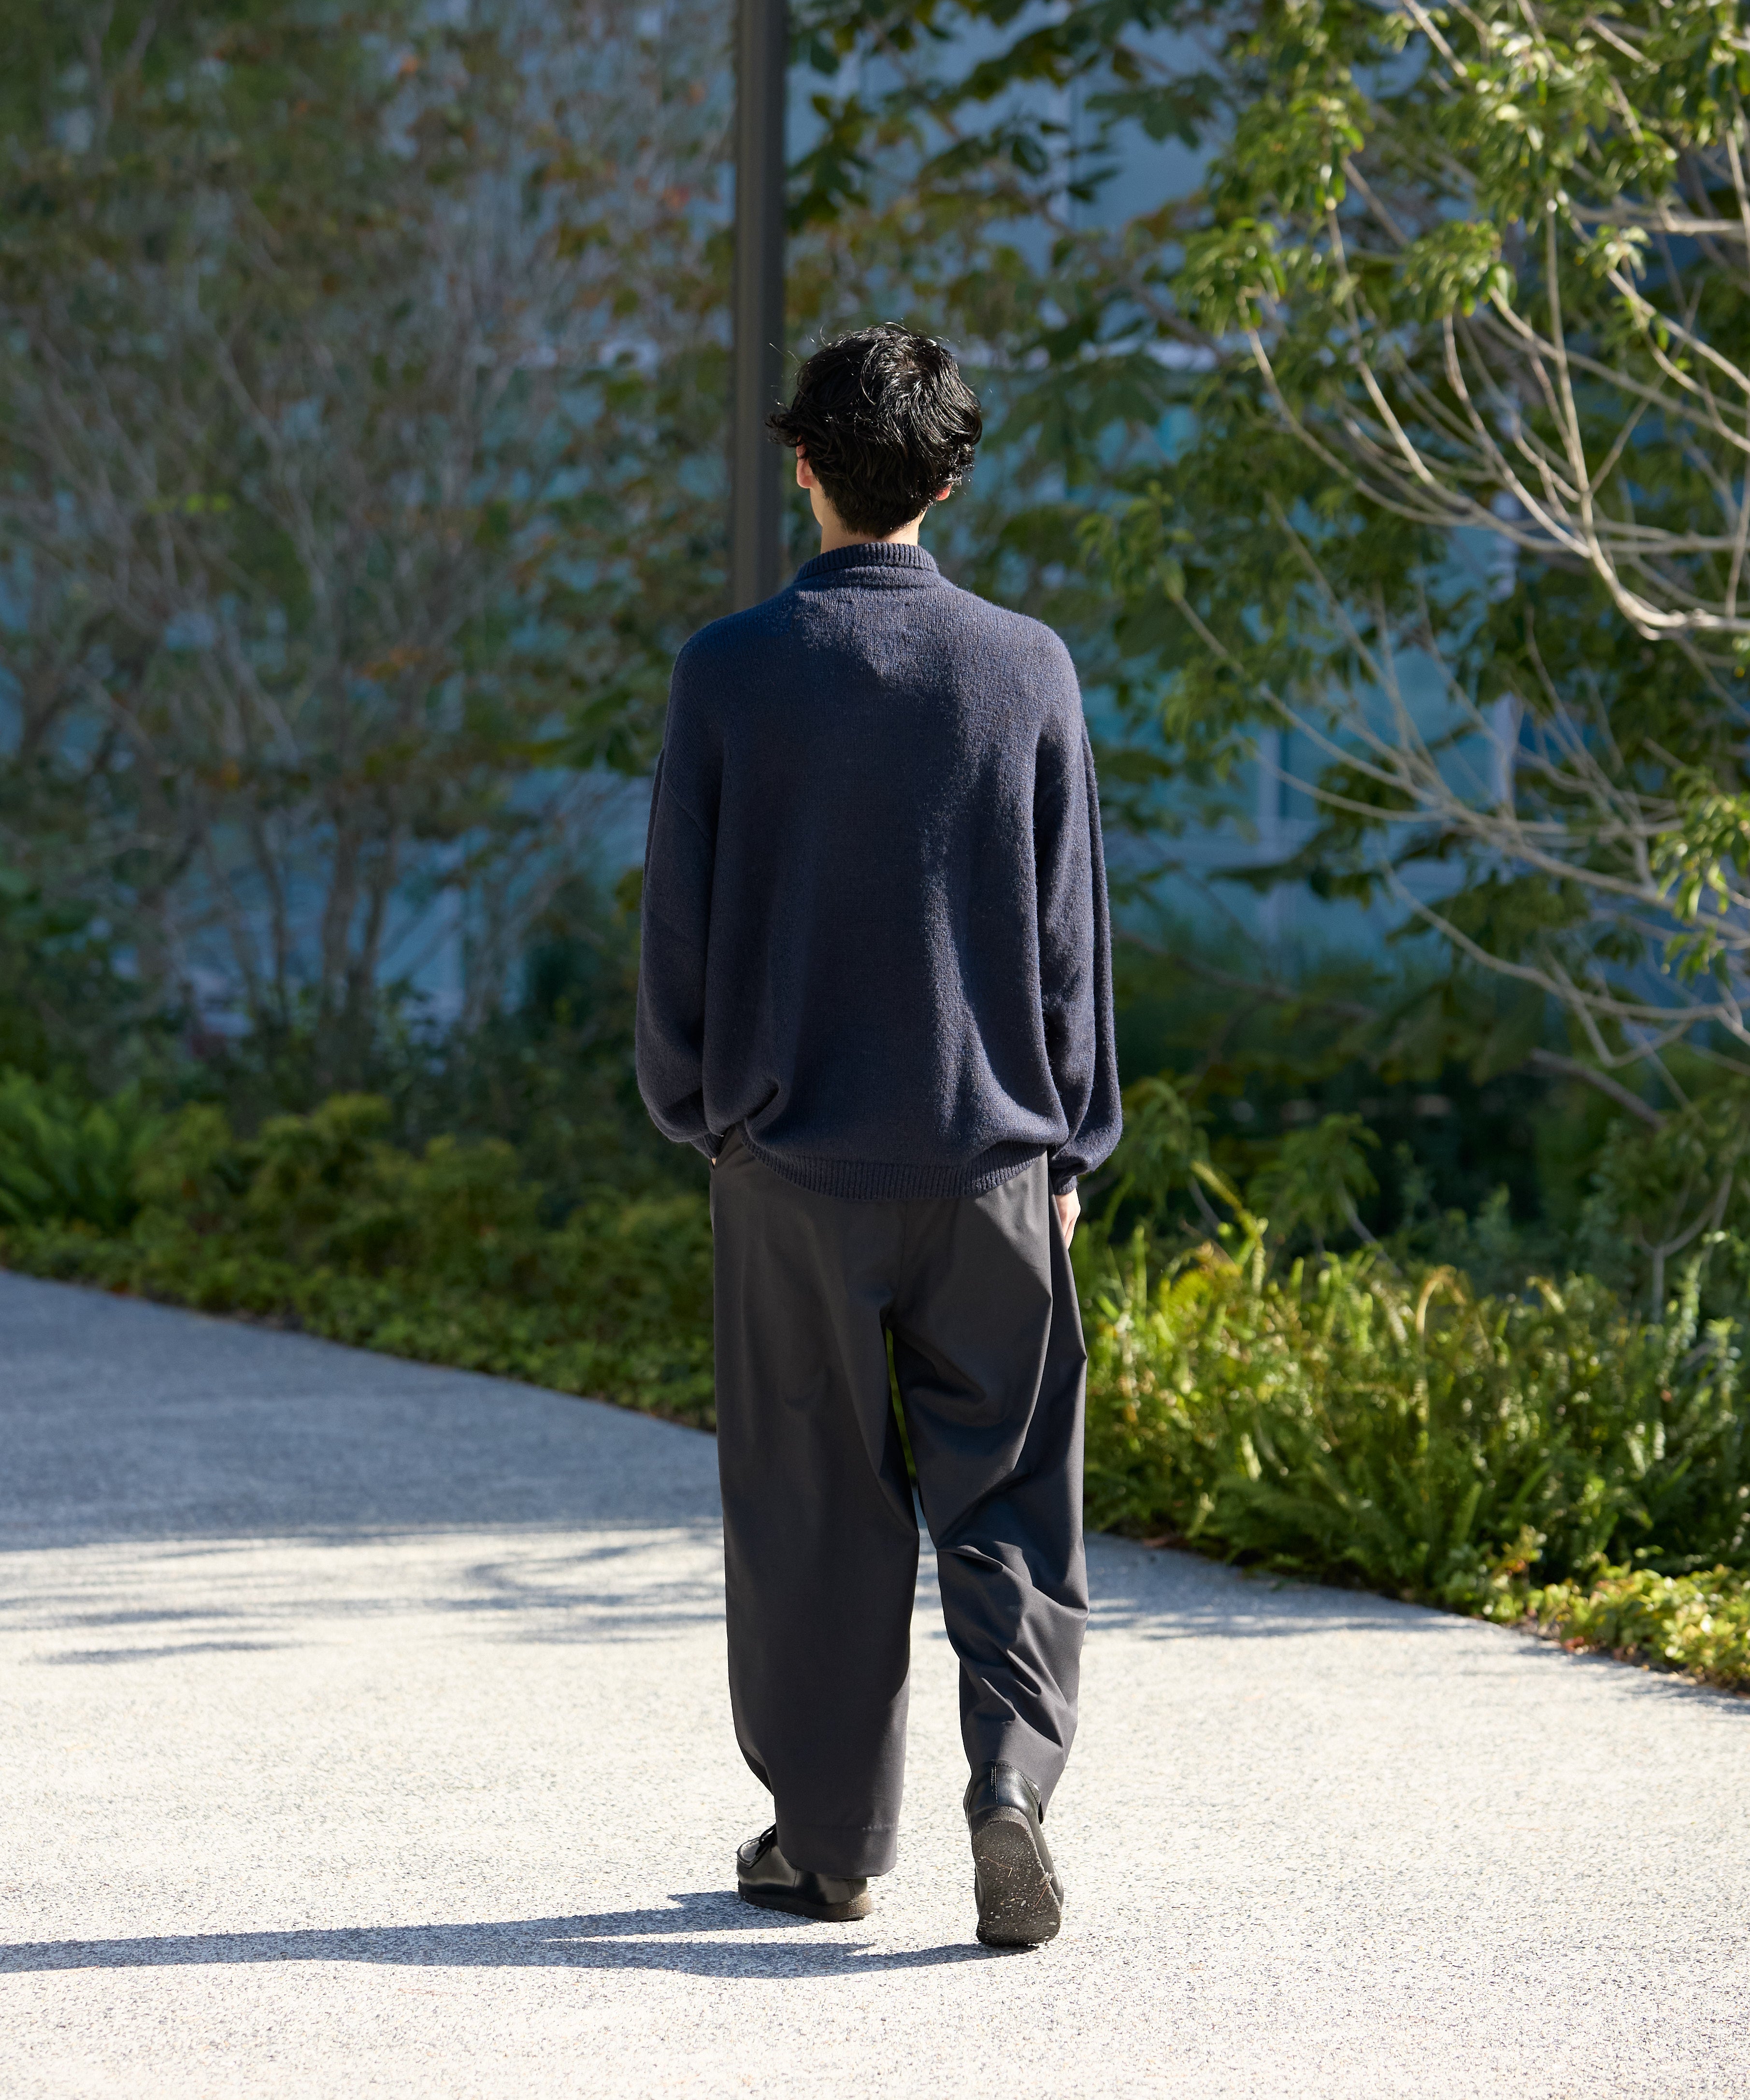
63	1160
1699	1624
319	1223
1348	1421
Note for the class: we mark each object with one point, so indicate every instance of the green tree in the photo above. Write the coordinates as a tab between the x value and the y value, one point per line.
354	375
1488	273
1491	263
1458	493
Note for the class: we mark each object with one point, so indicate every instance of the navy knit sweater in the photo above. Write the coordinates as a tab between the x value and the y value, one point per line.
875	932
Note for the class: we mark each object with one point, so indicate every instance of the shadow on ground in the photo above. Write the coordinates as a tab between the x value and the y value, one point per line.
663	1939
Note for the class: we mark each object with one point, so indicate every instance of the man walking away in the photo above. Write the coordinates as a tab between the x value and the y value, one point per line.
876	992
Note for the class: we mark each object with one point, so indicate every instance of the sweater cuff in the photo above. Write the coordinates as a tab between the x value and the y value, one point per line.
1061	1184
710	1146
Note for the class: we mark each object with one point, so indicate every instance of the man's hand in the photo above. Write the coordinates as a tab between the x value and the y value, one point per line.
1069	1209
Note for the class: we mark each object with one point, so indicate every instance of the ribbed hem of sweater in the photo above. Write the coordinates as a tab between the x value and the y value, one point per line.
869	554
877	1181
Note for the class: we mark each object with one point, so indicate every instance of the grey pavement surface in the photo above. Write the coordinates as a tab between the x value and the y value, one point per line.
363	1733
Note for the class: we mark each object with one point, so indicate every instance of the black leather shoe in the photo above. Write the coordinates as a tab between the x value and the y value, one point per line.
1020	1893
763	1875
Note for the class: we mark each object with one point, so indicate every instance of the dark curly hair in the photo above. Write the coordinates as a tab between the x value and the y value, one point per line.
887	421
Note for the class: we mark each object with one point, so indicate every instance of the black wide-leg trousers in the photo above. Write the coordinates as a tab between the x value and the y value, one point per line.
819	1538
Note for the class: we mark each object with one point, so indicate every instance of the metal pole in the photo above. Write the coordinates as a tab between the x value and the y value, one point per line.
756	495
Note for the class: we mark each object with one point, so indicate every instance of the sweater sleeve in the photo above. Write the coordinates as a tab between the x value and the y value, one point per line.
679	851
1075	957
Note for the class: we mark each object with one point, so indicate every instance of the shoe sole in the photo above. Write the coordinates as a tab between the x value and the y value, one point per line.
800	1907
1017	1907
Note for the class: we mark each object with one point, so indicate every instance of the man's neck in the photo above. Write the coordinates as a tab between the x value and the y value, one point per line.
833	535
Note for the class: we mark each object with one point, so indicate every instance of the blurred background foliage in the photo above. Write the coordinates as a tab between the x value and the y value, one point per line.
362	378
355	369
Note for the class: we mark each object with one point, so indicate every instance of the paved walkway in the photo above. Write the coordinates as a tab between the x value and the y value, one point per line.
363	1733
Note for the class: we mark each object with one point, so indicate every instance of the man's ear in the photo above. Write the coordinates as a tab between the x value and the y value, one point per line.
941	495
804	473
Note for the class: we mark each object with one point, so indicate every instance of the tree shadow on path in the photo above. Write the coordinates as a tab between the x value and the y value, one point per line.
665	1939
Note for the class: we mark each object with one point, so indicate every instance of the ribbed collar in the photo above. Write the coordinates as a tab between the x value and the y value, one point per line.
868	554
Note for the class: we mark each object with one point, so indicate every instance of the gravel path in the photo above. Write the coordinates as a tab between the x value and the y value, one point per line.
364	1733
